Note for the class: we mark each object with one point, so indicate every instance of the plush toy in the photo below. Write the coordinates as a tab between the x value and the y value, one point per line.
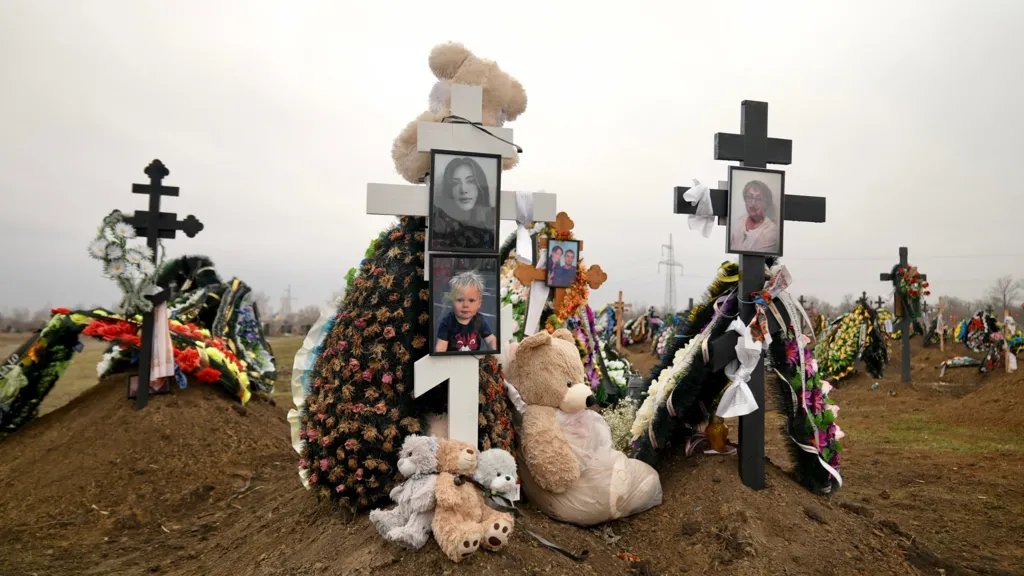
503	100
496	471
572	470
462	521
408	523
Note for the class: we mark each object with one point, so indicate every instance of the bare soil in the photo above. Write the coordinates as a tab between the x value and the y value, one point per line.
192	485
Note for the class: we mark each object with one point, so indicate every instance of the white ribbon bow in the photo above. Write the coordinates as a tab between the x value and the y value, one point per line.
704	218
738	400
524	215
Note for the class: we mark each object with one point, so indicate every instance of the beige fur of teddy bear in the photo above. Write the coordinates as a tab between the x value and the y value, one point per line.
572	470
462	521
503	101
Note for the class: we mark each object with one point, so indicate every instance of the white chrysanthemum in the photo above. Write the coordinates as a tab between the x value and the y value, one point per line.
504	291
124	230
515	298
134	256
98	248
114	251
147	267
116	268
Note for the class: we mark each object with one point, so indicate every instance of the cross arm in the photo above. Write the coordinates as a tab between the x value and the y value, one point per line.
796	208
159	189
167	224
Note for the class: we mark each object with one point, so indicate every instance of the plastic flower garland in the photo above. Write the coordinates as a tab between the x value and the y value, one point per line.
130	266
908	284
514	294
842	342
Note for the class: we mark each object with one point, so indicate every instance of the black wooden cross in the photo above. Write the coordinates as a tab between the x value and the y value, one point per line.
879	303
154	224
753	148
925	307
802	301
903	323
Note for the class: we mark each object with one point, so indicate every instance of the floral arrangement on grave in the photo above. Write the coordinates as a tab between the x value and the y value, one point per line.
910	288
353	381
685	391
857	334
128	263
216	335
567	308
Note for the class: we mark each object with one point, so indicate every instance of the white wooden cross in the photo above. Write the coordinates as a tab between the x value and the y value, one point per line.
461	372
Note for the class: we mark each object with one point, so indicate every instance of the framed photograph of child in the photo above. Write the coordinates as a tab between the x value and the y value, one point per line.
464	202
756	201
563	262
464	304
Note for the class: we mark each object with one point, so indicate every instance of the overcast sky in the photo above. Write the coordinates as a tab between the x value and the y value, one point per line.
273	116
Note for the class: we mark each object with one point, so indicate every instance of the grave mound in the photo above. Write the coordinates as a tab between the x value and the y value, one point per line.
191	485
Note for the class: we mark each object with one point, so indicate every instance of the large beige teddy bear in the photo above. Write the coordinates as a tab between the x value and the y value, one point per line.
503	101
572	470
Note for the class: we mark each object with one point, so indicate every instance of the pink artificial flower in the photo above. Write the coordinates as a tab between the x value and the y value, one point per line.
367	375
361	323
321	416
311	434
359	474
837	432
389	332
313	478
825	387
325	441
814	401
342	345
340	488
358	408
811	367
792	353
303	463
833	408
353	364
387	378
350	444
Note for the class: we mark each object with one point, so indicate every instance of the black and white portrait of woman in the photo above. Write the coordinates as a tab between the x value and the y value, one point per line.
464	191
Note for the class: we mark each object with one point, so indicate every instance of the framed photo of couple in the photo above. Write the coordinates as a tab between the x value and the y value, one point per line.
563	262
464	202
756	201
465	302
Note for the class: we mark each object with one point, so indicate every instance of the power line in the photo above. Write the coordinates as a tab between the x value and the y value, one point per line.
670	278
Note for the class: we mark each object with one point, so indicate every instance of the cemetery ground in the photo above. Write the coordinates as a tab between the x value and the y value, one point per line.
194	485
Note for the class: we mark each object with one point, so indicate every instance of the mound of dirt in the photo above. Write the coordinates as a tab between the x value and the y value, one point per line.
83	484
191	485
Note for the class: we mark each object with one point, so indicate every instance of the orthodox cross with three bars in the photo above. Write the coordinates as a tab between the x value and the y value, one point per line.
461	372
903	322
154	224
527	274
752	147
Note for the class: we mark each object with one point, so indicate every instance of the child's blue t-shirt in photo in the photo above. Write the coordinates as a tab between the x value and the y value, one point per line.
463	337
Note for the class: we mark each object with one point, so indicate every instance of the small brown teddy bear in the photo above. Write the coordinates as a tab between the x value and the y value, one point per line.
572	470
462	521
503	101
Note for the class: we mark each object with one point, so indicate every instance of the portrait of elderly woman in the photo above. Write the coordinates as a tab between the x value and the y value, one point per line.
464	192
755	198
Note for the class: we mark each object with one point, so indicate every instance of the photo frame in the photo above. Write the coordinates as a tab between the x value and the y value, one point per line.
465	202
158	386
561	272
451	331
757	200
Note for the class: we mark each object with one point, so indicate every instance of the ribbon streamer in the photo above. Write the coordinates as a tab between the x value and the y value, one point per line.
764	302
704	218
738	400
524	216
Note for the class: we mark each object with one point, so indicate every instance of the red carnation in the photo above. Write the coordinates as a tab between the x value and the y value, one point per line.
65	311
188	360
208	375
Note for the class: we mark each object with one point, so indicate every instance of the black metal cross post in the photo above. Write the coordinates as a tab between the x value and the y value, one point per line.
802	301
154	224
878	303
903	322
752	147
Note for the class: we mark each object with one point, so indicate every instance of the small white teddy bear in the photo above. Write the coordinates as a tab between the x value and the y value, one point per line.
408	523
